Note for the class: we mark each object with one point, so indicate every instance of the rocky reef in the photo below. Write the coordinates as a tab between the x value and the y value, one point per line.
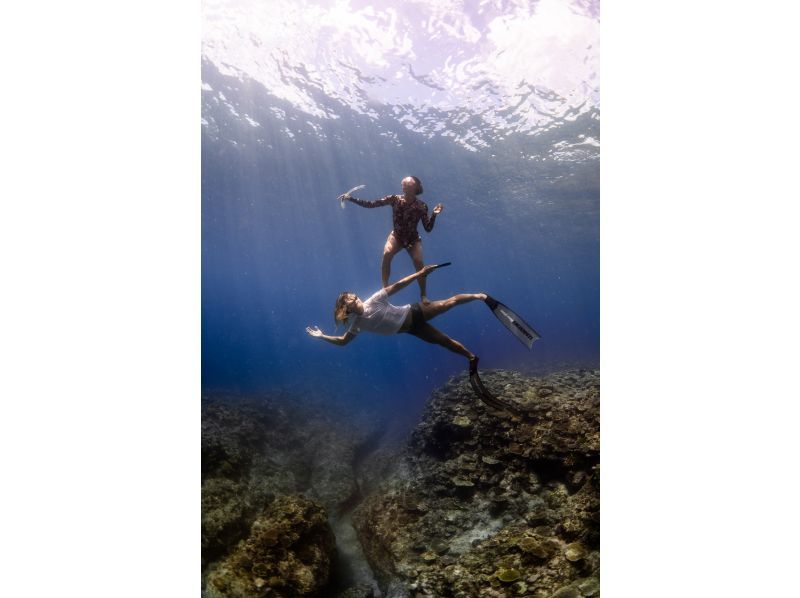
484	503
279	476
288	552
302	499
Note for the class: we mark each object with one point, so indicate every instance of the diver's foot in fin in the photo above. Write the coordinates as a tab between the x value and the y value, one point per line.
473	365
485	396
490	301
479	390
425	300
488	398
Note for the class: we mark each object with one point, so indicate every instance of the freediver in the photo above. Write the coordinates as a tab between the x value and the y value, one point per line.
407	211
377	315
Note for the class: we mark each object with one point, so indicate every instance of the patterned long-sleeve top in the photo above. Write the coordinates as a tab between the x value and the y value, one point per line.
405	216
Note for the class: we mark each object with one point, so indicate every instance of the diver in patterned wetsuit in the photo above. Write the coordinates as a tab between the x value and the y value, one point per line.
407	211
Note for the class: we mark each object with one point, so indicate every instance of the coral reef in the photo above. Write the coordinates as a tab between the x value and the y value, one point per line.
484	503
300	499
247	459
288	553
256	451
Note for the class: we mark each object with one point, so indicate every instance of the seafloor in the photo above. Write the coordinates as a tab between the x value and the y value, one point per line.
300	499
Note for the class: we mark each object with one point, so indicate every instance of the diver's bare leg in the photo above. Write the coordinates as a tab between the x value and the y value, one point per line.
431	335
389	250
437	308
415	251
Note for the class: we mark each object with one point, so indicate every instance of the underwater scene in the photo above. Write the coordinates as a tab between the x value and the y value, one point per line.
374	452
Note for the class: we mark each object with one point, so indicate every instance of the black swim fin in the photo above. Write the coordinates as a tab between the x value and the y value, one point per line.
487	397
518	327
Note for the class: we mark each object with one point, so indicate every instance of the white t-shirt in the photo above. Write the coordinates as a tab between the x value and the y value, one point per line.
379	316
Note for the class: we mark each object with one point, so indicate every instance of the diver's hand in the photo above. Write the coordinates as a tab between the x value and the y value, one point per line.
427	269
315	331
438	209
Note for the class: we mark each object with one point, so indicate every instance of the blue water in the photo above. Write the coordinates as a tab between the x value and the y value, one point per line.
277	249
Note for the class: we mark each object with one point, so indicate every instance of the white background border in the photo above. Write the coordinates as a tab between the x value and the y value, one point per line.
100	240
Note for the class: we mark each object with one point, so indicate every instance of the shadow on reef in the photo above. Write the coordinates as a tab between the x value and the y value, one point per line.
299	501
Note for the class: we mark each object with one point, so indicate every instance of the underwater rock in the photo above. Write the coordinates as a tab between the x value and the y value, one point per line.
507	575
230	438
537	547
256	450
238	477
575	551
589	586
429	556
288	553
513	498
223	510
360	591
461	421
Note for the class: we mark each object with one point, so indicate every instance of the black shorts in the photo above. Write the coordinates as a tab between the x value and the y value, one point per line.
417	319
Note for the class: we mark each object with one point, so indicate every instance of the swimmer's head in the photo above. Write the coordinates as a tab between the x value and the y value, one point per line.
347	303
412	184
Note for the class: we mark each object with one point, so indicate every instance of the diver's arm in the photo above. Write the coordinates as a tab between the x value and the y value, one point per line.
385	201
334	340
428	222
404	282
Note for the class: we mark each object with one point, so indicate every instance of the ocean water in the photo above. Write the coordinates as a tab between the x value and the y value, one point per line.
516	167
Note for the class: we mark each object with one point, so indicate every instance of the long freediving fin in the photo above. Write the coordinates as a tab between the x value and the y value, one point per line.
487	397
518	327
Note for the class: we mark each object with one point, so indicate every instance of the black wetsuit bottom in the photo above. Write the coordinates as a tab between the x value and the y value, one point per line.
417	319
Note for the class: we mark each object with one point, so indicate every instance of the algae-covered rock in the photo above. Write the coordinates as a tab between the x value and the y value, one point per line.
507	575
567	592
462	421
429	556
537	547
575	551
589	586
288	553
544	391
